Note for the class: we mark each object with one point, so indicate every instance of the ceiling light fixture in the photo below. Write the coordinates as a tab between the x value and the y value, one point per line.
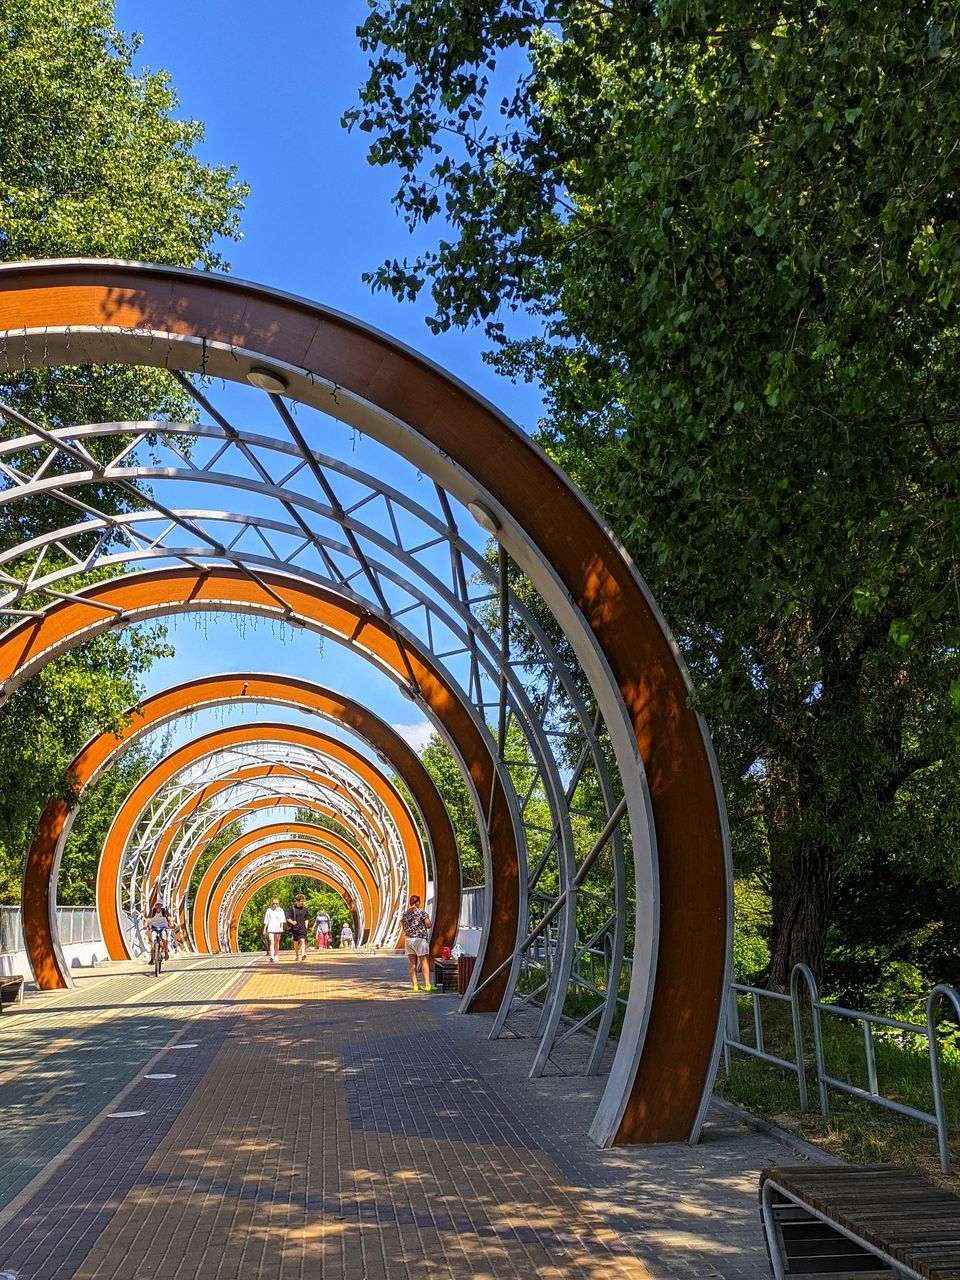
484	517
267	380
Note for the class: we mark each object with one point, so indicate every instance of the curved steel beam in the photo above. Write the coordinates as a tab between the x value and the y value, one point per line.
73	312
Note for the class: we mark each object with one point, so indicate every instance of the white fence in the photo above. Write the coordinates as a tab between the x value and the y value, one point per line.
79	937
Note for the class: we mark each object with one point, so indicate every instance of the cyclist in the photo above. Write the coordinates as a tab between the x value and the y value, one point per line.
158	926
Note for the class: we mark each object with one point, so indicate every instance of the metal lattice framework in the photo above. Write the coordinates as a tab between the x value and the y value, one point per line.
254	787
546	639
331	770
229	809
366	857
456	606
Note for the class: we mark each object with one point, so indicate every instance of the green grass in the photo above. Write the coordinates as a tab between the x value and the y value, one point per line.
861	1132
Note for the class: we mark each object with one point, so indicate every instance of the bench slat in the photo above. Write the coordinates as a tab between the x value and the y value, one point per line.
911	1221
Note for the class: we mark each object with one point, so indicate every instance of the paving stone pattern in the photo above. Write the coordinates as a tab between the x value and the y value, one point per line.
59	1068
329	1124
420	1085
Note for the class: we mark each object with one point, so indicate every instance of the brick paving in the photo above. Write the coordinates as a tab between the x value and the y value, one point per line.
328	1123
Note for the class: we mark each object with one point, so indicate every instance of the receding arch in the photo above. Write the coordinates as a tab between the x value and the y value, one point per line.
111	861
260	882
285	853
270	774
137	597
275	837
275	800
252	687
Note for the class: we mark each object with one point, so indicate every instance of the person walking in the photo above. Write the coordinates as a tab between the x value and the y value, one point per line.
274	920
298	922
416	924
322	929
346	937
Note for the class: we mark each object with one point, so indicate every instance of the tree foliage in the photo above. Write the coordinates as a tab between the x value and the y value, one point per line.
736	228
318	896
95	162
76	884
443	769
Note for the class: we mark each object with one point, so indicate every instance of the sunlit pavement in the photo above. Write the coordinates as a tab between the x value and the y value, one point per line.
235	1118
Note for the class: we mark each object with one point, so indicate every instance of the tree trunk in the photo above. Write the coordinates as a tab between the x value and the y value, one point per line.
801	876
801	913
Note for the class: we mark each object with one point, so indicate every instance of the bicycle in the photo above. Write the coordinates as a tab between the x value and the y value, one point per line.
157	951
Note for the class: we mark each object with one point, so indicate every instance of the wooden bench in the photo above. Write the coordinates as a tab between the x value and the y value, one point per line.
445	975
869	1221
11	989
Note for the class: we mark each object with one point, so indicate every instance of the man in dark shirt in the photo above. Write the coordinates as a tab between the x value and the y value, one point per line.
298	927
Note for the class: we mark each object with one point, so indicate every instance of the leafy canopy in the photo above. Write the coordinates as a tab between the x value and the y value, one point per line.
95	162
736	228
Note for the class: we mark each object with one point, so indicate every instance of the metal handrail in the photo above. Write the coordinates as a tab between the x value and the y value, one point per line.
802	975
76	924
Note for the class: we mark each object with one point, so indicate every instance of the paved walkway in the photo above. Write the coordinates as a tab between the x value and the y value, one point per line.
236	1119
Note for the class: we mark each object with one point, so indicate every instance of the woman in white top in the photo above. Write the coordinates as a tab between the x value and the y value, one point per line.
274	919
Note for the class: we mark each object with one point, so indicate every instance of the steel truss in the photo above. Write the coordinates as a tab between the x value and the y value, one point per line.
548	639
465	614
316	775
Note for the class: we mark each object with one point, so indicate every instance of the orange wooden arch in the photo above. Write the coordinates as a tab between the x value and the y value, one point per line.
111	861
280	835
309	873
27	647
215	894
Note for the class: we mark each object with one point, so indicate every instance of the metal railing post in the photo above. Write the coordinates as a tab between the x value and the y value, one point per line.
806	973
941	989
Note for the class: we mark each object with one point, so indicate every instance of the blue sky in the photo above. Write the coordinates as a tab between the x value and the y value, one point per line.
270	83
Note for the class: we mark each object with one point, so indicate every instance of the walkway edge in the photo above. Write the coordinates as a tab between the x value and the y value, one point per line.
23	1197
759	1125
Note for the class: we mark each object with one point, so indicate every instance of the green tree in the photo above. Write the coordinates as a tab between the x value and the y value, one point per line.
736	228
443	769
76	885
95	162
321	898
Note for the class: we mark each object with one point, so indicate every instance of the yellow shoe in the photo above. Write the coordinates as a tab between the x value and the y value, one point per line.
415	987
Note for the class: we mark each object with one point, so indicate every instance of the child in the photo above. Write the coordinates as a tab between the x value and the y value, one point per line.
346	937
